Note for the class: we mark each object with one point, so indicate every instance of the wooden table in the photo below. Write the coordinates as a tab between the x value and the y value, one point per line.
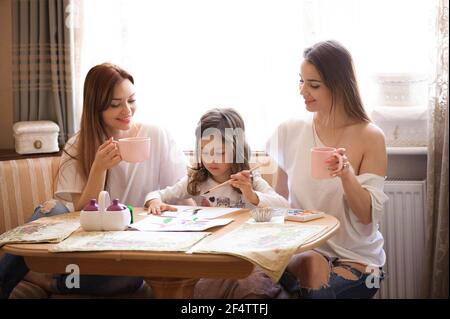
170	274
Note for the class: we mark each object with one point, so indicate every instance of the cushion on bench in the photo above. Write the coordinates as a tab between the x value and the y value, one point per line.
24	184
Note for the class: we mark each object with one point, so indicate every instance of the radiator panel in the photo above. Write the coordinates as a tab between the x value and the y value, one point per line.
403	229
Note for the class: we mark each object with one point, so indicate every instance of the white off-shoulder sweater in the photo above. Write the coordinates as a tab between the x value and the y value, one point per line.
290	146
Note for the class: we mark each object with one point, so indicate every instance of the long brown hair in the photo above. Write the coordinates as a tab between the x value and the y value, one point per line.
97	97
220	119
335	65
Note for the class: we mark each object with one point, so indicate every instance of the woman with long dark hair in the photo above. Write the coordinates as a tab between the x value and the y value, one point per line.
348	264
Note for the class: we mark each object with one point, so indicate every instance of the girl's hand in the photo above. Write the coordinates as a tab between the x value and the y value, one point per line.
243	181
333	164
155	207
107	155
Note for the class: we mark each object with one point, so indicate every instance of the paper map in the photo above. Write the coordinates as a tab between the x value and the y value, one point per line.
129	240
47	229
267	245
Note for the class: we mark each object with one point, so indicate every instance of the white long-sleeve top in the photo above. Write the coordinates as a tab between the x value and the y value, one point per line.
224	196
290	147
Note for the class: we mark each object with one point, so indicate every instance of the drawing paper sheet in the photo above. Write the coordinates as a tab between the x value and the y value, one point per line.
202	212
43	230
129	240
267	245
160	223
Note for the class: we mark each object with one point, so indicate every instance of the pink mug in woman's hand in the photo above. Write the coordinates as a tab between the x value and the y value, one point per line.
319	156
134	149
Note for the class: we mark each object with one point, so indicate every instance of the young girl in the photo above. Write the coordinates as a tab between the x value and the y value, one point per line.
222	154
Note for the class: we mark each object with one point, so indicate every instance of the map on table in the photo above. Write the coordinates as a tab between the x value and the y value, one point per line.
129	240
267	245
43	230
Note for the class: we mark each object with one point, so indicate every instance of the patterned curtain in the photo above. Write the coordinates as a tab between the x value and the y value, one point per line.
436	272
43	63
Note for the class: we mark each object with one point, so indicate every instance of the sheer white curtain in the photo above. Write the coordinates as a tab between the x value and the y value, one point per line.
189	56
384	36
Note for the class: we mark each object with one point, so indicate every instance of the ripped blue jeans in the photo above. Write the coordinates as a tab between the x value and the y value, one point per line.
364	286
13	269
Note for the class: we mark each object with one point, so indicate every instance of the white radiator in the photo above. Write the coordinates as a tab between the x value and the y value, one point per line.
403	229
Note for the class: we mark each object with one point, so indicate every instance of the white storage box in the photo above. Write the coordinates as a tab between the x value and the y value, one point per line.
401	89
403	127
36	137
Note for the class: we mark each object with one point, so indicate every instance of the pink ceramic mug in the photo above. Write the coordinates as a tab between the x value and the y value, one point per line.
134	149
319	169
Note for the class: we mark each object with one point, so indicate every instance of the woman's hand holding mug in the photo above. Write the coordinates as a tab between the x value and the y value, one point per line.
107	155
334	165
328	162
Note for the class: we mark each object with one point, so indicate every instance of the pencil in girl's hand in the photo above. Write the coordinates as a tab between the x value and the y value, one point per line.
228	181
216	187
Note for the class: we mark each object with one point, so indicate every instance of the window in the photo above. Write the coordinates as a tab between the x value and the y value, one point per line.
189	56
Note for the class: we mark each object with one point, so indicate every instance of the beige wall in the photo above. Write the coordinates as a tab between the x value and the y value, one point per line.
6	94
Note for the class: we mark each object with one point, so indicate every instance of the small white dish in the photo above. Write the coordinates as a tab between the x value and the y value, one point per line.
262	214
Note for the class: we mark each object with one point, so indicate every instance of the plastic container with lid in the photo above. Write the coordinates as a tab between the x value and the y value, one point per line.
108	217
92	206
115	206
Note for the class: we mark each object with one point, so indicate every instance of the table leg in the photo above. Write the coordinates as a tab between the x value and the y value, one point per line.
172	288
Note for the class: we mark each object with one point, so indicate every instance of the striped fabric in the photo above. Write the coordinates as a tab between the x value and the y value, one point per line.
24	184
27	290
42	62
